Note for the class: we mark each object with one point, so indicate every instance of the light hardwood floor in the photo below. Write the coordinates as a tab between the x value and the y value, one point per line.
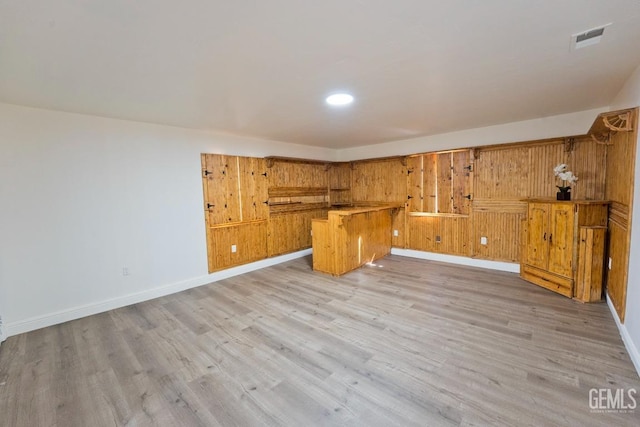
407	343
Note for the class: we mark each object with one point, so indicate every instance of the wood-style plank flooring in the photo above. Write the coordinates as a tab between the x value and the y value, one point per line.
406	343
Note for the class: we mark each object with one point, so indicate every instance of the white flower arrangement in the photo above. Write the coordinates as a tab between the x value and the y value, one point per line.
567	177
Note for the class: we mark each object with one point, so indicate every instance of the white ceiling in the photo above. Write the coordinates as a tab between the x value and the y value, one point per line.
263	68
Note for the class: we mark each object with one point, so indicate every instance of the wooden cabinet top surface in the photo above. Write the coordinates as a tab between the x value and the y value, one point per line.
574	202
352	210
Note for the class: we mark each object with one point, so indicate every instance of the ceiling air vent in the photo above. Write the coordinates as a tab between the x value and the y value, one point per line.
588	38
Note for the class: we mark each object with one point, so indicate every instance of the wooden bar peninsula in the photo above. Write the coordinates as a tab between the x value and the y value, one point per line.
351	237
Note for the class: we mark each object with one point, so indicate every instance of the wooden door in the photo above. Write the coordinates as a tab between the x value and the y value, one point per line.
537	233
429	183
444	196
254	196
460	189
561	232
414	184
221	189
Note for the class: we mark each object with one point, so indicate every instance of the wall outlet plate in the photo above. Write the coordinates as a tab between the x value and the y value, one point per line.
395	233
234	249
483	240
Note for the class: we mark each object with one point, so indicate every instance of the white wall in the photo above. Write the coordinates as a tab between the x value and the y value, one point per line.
81	197
629	97
548	127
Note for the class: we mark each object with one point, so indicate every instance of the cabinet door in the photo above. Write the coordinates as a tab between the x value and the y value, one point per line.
537	234
221	191
254	194
561	239
460	180
414	184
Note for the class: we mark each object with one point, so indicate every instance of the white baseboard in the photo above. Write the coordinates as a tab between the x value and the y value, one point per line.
634	354
453	259
55	318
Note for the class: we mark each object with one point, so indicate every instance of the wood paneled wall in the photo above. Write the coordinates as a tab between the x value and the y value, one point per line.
249	240
340	184
439	233
301	174
379	180
255	207
291	232
501	177
500	221
620	168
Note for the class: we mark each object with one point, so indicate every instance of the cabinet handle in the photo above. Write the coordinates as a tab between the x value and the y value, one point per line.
209	205
550	238
544	237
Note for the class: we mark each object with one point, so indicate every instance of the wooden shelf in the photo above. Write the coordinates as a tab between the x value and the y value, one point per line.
271	159
236	223
433	214
282	208
297	191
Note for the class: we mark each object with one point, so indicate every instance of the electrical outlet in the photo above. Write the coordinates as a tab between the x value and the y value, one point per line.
395	233
438	240
483	240
234	249
125	271
610	260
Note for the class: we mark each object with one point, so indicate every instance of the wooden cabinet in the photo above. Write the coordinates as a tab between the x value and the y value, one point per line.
440	182
235	189
590	272
553	246
236	209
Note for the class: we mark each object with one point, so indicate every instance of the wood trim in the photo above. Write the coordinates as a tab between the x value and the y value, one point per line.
553	282
500	206
297	191
237	223
619	214
284	208
599	126
402	159
437	215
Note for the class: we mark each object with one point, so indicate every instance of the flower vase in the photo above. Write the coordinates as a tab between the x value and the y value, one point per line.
563	195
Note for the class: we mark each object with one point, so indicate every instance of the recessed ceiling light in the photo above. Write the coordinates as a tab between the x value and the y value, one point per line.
339	99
